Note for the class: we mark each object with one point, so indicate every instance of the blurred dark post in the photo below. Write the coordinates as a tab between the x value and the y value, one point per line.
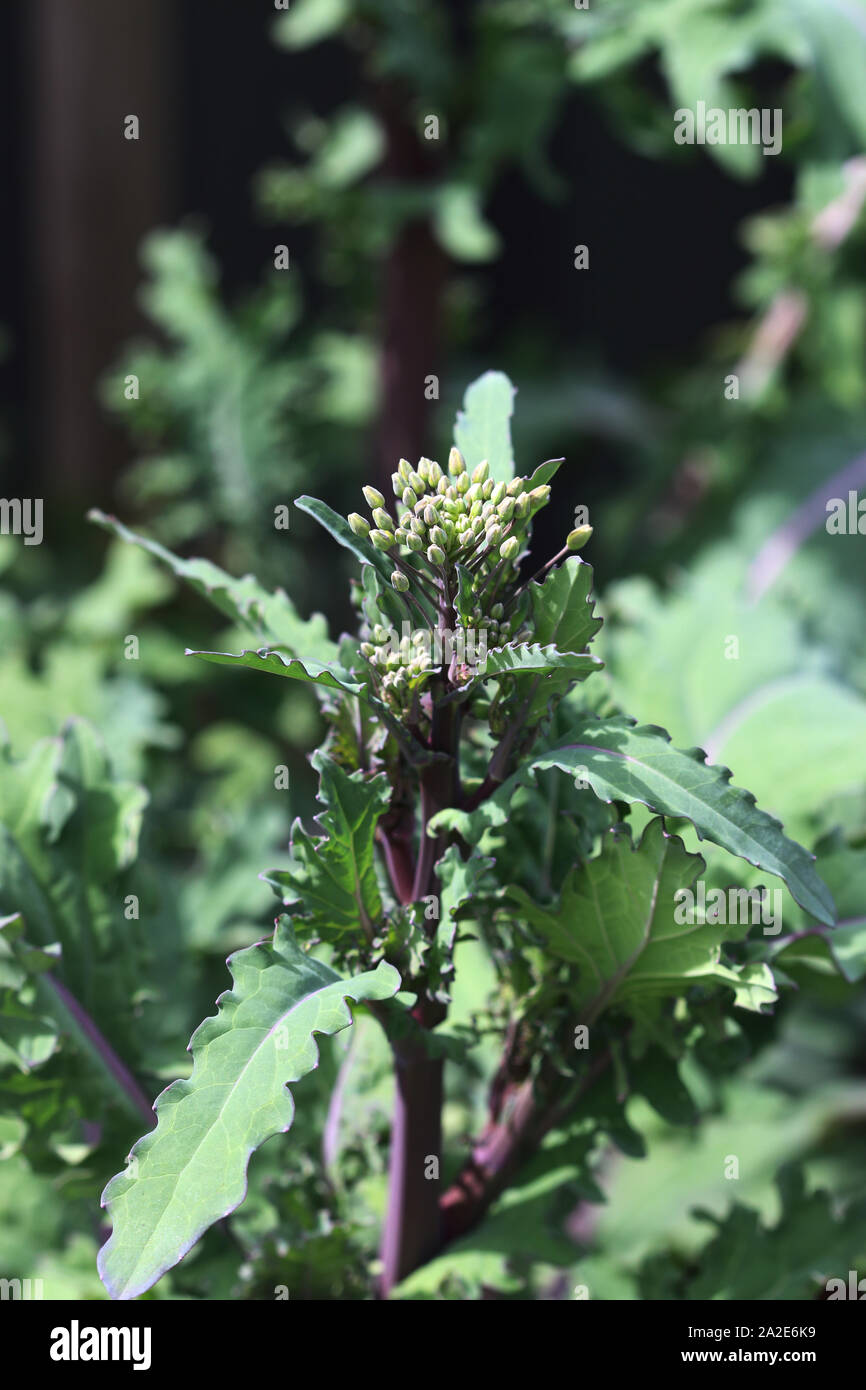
414	284
93	195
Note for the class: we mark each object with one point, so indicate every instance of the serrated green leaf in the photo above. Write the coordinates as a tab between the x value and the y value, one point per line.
483	427
192	1169
533	659
561	607
623	762
292	667
272	617
331	880
616	921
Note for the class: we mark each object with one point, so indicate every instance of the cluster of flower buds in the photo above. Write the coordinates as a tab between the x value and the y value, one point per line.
443	520
451	516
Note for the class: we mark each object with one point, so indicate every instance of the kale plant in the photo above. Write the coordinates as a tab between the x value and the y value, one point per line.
476	787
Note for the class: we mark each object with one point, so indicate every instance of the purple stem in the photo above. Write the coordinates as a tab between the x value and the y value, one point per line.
99	1045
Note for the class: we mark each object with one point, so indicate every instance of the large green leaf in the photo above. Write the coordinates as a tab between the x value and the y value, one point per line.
192	1169
616	921
483	426
272	617
331	880
623	762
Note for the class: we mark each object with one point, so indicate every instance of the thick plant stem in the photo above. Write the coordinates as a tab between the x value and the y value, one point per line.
412	1232
413	1225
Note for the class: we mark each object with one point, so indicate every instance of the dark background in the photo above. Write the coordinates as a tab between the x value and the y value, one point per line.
211	91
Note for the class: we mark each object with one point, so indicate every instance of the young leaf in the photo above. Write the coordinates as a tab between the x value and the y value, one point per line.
273	662
561	607
342	532
331	881
483	427
272	617
192	1169
537	660
616	921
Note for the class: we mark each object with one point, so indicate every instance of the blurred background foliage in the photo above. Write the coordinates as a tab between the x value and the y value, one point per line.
413	258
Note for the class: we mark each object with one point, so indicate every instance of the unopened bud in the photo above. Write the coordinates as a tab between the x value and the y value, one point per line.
456	463
435	555
508	549
383	540
359	525
383	519
434	473
479	474
404	468
409	497
578	538
417	482
414	542
505	510
373	497
438	537
399	582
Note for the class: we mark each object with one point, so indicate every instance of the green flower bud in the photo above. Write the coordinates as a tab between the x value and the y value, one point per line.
434	473
417	525
438	537
405	519
475	510
423	469
397	484
456	463
431	516
409	497
487	489
496	611
515	487
380	633
435	555
442	485
463	485
399	582
522	505
417	483
383	519
578	538
383	540
505	509
477	525
373	497
404	468
400	535
508	549
359	525
367	649
414	542
494	535
539	495
479	474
